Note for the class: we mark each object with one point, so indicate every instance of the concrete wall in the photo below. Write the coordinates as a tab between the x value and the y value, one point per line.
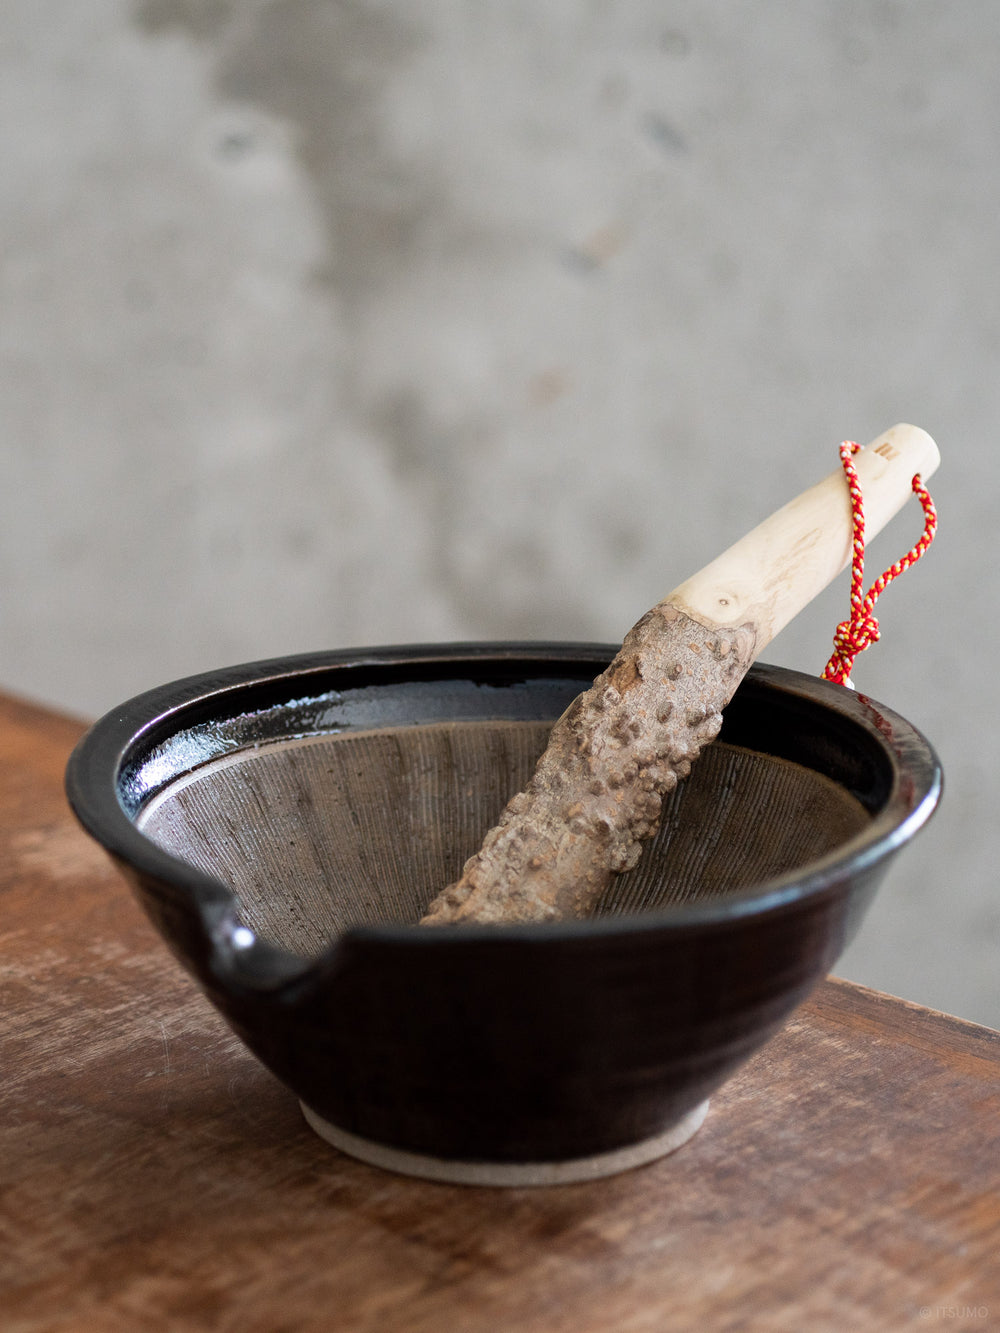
340	323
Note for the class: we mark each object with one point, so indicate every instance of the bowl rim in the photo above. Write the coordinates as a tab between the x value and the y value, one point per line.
94	770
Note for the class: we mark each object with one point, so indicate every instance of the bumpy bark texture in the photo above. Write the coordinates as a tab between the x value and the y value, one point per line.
596	793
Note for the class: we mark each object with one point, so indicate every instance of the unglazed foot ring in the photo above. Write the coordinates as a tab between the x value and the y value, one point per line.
509	1173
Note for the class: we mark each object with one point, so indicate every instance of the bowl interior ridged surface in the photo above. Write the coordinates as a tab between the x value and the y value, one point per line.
316	834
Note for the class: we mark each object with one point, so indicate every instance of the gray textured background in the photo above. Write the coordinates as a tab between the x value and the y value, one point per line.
326	324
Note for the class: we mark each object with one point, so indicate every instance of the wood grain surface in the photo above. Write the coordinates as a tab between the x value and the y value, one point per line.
153	1176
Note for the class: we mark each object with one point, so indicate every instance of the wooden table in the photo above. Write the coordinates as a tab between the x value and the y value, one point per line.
154	1176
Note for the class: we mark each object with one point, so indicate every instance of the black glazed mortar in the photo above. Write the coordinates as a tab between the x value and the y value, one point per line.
285	823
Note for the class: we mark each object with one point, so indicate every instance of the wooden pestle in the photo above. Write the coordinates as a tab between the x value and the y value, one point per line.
596	792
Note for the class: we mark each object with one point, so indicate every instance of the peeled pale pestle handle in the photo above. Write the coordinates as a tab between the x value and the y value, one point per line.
769	575
597	790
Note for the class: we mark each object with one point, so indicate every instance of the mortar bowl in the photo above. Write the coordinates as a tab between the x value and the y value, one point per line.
284	824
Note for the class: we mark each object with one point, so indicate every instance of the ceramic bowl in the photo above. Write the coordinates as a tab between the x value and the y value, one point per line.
285	823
